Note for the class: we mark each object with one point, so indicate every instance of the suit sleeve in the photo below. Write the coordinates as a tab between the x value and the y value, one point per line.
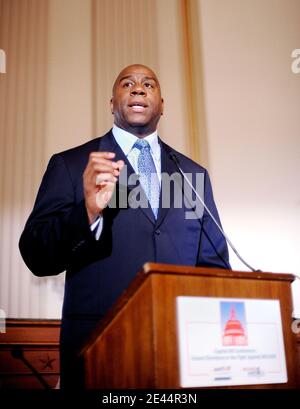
213	249
58	226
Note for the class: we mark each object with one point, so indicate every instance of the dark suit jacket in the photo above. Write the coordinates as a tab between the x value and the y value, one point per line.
57	237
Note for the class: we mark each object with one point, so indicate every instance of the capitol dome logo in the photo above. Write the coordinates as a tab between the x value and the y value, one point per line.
234	331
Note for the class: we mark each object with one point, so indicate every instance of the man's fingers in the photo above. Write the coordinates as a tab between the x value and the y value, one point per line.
98	168
100	164
107	155
120	164
107	196
104	195
104	161
105	177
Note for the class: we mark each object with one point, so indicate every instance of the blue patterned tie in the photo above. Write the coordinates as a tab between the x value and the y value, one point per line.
148	175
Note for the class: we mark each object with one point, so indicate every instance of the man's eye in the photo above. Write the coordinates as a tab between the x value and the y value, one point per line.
127	84
148	85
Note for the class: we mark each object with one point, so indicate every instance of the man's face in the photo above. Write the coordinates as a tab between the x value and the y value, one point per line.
136	102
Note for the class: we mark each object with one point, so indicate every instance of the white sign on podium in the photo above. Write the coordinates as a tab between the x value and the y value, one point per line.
228	341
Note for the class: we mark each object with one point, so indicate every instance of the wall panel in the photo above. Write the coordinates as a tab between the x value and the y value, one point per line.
124	33
23	36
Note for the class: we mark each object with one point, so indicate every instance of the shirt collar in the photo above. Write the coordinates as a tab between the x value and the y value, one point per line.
126	140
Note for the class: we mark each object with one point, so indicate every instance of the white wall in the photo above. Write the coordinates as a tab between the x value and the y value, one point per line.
252	102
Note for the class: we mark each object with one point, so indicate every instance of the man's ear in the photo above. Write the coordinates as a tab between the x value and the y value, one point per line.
162	106
111	105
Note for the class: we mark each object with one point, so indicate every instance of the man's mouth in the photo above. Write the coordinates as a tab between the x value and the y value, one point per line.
137	106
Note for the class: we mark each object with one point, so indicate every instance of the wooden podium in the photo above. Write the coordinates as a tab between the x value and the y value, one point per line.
136	345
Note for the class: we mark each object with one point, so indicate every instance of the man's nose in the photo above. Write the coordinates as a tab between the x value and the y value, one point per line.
138	90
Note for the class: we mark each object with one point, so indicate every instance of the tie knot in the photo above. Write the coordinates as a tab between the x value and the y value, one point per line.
141	144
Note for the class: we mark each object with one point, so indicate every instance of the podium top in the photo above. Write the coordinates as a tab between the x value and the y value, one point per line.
156	268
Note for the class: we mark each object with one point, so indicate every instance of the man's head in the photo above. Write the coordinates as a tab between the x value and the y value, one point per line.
136	101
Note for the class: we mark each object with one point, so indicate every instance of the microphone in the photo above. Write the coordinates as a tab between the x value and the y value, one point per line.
175	159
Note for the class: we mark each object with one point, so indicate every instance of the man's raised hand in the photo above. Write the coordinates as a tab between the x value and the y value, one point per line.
99	181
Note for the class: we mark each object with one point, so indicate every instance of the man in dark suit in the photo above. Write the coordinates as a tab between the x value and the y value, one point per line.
74	225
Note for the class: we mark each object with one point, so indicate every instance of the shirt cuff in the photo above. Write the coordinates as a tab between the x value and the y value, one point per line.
97	226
